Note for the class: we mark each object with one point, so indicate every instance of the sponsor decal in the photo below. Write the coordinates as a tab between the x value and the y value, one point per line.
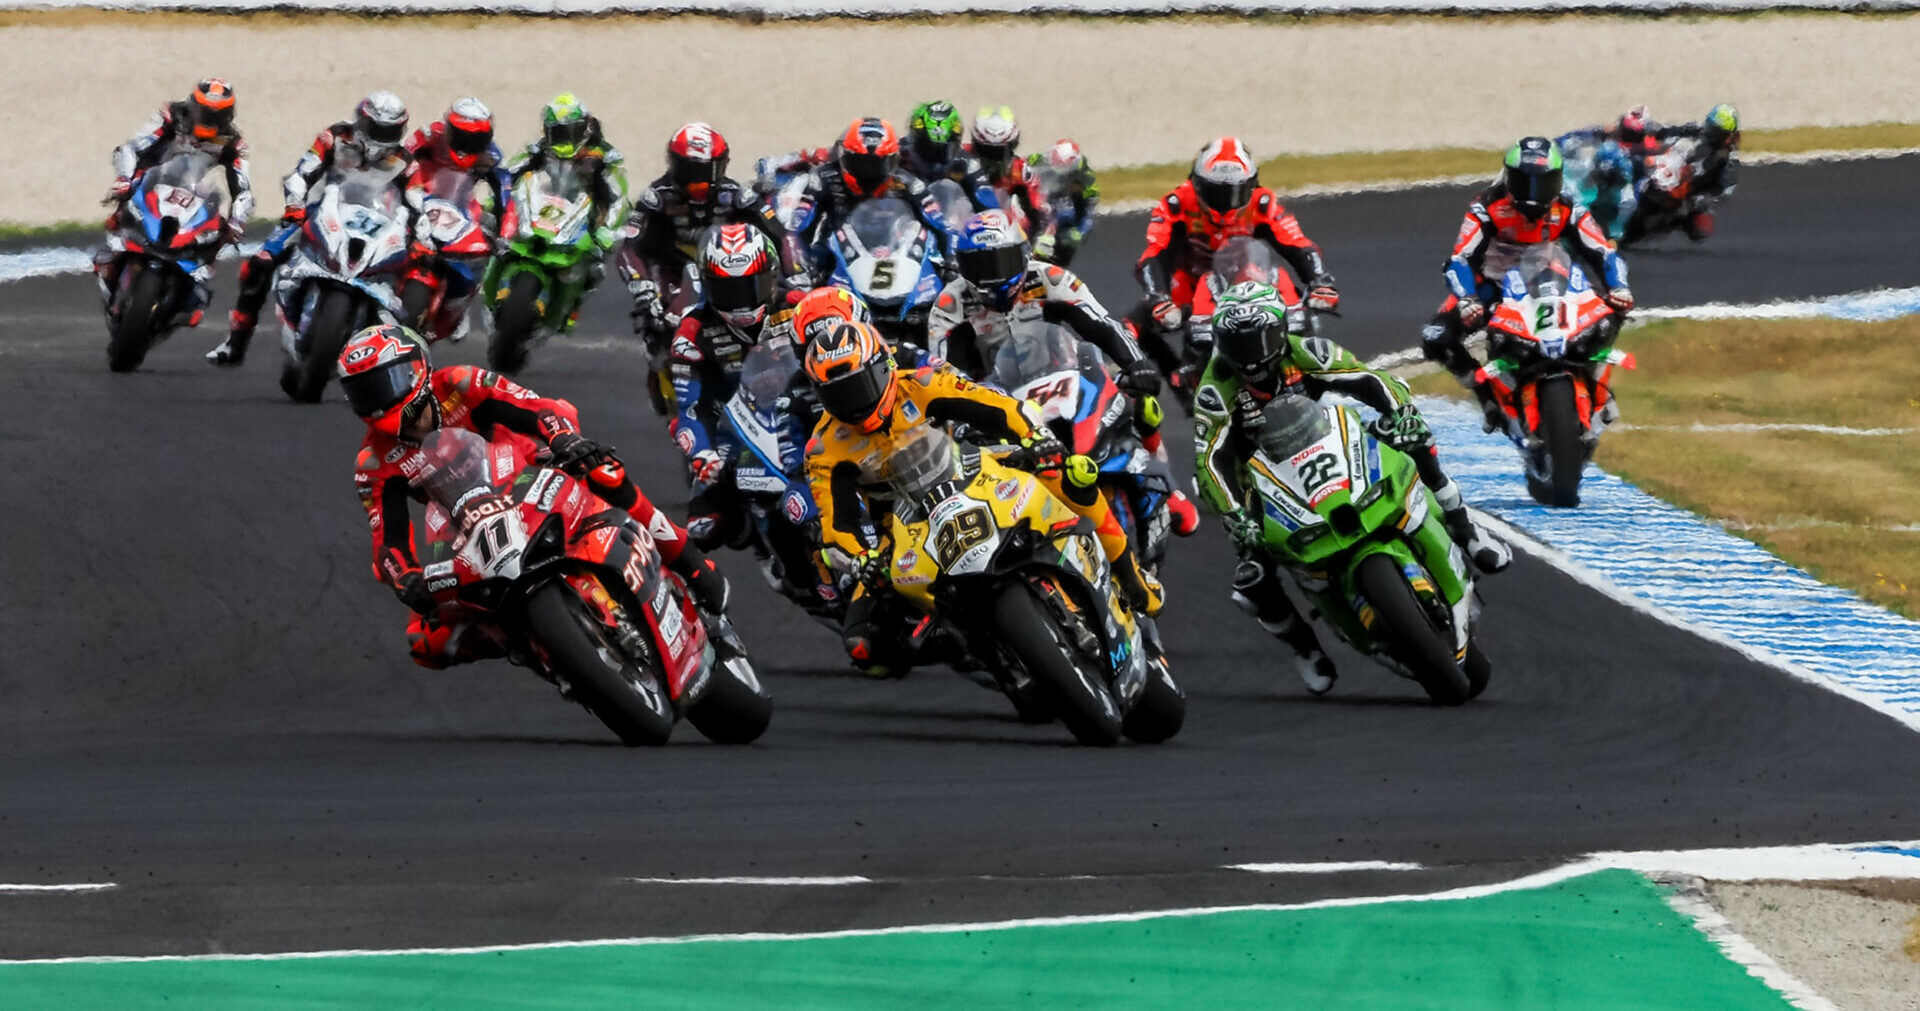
1006	490
795	507
446	583
1209	399
908	560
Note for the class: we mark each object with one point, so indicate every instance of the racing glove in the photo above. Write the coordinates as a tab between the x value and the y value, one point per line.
572	450
1075	236
1621	299
646	304
605	238
1473	314
706	466
1165	313
236	230
1324	297
411	588
1043	247
1403	428
1242	530
1140	378
870	567
1041	451
121	187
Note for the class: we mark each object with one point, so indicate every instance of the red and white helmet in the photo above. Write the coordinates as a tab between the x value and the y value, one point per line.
1634	123
737	268
1225	175
697	160
1066	156
995	138
385	375
469	131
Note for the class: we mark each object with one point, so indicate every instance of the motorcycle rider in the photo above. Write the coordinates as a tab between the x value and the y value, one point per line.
870	405
1719	164
995	142
739	307
204	119
371	140
569	133
1256	357
1221	199
385	374
671	215
935	150
461	141
1523	207
866	165
1073	207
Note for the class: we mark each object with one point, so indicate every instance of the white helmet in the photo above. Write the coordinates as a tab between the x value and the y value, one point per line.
996	136
380	123
1225	174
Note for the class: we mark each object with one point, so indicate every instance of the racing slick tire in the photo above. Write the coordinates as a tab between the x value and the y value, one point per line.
1565	455
1161	709
736	709
306	379
1061	678
1415	639
139	322
514	323
632	702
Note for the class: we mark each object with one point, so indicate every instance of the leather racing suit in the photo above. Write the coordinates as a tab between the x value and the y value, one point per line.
430	171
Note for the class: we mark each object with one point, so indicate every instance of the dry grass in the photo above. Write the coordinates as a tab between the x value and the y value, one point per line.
1913	939
1826	502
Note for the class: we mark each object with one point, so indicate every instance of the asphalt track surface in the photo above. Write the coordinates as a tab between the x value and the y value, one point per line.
204	697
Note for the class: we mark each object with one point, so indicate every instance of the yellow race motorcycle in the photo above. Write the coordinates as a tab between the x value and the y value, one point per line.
993	560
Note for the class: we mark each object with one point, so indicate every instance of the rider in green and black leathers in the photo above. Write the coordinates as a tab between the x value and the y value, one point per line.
1255	359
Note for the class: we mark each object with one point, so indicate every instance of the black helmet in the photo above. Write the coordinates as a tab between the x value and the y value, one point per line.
1532	175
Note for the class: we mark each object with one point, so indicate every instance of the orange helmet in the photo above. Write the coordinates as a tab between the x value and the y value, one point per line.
820	309
869	154
852	372
384	373
1224	175
211	109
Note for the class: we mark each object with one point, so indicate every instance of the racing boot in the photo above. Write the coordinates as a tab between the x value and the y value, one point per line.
1489	553
1257	591
1700	226
710	592
1141	588
233	351
437	646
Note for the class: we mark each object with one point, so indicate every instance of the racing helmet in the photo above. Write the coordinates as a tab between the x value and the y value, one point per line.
380	124
1722	125
1225	175
1066	156
1633	125
996	139
824	308
210	110
852	372
869	154
697	160
992	251
1250	328
385	375
565	125
737	267
1531	174
934	131
469	131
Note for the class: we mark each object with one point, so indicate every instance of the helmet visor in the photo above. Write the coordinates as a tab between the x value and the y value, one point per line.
566	137
375	132
210	123
854	397
735	294
471	143
990	267
1250	350
381	389
994	156
932	152
687	171
867	171
1224	197
1533	190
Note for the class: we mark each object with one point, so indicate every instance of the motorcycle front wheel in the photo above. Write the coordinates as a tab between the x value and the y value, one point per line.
306	379
1410	632
514	323
736	709
1061	678
632	702
139	322
1558	483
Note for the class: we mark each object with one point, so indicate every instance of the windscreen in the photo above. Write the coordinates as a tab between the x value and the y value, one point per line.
1291	424
455	467
1035	350
1245	258
767	374
884	227
1546	270
923	460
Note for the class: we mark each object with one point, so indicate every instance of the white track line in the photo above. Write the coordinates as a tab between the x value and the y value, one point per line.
1335	867
1689	900
800	882
93	886
1745	426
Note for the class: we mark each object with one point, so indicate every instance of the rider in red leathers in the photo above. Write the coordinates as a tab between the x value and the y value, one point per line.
461	142
1222	199
389	384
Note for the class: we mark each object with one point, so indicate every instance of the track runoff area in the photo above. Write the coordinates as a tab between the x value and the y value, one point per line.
215	744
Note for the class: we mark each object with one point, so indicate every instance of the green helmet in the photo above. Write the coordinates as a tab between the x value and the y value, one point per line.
1250	328
565	125
934	132
1723	121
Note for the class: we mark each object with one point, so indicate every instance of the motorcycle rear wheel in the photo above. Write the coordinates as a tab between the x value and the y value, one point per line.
632	702
1078	696
306	379
1565	454
1161	709
513	324
140	320
1415	639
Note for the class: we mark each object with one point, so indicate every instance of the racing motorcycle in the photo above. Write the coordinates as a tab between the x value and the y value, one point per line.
1071	383
764	444
576	590
1549	367
1240	258
353	249
1055	184
1665	193
172	226
455	222
535	287
992	559
1599	176
883	254
1350	518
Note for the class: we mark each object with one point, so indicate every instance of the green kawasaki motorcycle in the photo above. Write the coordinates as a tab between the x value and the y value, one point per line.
1349	517
535	287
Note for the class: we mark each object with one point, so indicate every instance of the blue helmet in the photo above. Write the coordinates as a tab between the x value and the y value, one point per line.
993	253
